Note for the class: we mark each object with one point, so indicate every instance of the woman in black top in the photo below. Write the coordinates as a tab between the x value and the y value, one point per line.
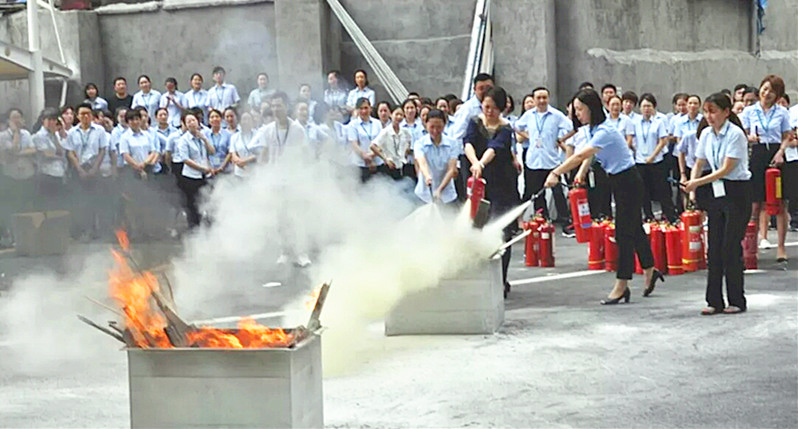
488	145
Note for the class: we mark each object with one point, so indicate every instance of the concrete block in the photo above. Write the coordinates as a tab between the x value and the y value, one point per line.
41	233
471	302
215	388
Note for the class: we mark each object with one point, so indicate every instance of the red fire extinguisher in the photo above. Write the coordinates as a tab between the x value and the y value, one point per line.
647	230
750	249
673	246
580	212
476	192
773	191
595	254
532	258
691	239
546	230
610	247
658	247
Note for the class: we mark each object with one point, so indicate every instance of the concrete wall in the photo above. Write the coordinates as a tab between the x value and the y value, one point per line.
177	43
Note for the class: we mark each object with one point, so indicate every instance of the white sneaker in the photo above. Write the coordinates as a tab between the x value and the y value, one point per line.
302	260
764	244
283	259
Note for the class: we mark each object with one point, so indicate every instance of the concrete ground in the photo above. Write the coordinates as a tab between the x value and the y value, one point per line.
560	360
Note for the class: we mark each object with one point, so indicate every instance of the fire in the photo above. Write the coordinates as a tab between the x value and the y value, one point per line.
313	296
146	323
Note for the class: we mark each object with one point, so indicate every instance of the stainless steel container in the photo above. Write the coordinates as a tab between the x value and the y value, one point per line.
215	388
471	302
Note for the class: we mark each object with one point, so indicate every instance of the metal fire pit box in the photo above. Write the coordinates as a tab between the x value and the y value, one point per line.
215	388
471	302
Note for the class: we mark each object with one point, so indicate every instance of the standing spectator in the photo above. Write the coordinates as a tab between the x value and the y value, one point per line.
306	96
462	117
392	145
19	152
361	90
544	127
67	120
312	133
281	133
739	91
750	97
260	94
384	113
116	135
198	97
363	129
607	92
222	95
120	98
86	146
92	97
243	147
411	121
336	94
192	151
331	123
147	97
51	162
231	117
137	146
173	101
220	140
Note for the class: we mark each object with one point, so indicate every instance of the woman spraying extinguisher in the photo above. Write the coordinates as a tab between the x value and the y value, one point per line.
610	149
725	148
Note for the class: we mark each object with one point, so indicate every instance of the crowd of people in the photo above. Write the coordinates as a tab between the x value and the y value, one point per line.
125	152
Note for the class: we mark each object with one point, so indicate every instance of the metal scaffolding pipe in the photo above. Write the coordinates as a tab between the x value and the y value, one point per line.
36	75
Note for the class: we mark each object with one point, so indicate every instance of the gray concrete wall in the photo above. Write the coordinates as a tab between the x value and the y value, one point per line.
177	43
425	42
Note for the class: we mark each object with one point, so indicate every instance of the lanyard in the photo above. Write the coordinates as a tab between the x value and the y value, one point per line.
216	139
645	132
285	135
363	127
539	124
220	94
716	144
765	126
194	98
146	99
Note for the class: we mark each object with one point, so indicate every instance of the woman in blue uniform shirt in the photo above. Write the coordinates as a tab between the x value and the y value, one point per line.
609	147
724	148
436	155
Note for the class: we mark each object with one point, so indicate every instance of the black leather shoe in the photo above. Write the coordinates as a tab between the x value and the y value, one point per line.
654	277
625	297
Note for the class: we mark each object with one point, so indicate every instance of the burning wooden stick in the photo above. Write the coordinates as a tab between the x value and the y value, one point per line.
104	330
314	323
177	328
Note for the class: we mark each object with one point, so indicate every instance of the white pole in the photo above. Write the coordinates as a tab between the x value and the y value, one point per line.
36	75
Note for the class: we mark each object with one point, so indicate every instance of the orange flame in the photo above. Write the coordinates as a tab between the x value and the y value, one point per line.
133	292
313	296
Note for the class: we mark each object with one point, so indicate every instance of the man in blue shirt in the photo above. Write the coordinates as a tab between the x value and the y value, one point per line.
544	127
483	82
222	95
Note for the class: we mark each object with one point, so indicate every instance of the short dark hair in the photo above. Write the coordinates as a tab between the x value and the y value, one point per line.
264	74
540	88
498	95
193	75
679	96
722	101
740	86
89	86
450	97
609	86
387	103
118	78
83	106
66	107
786	98
750	90
212	111
145	77
172	81
281	95
436	114
584	85
776	83
650	98
482	77
132	114
694	95
590	98
50	113
365	75
413	94
218	69
631	96
159	109
360	101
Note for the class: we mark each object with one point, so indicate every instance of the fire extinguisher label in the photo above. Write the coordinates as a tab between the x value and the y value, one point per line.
545	236
778	188
695	245
584	208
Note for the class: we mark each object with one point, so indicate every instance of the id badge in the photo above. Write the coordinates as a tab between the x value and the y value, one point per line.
539	142
591	179
718	189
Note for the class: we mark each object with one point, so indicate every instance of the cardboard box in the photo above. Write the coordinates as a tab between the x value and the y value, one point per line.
42	233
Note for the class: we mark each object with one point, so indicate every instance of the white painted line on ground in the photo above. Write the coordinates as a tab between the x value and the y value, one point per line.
754	271
556	277
272	284
237	318
794	243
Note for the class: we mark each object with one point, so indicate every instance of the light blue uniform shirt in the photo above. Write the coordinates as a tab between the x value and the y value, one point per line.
171	141
647	135
769	127
257	96
791	153
150	101
222	97
613	154
245	145
685	125
189	147
438	158
363	133
622	124
729	143
688	143
99	103
220	143
198	99
159	142
416	130
356	93
468	110
138	145
116	135
86	144
171	107
630	123
543	129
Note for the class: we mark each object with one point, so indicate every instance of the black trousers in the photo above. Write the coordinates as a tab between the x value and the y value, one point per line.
599	196
533	182
461	181
191	189
728	217
627	188
496	210
657	188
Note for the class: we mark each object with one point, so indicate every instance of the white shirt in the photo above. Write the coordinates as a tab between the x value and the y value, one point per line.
245	145
394	145
151	101
86	144
791	153
45	141
193	148
275	139
171	106
729	143
138	145
223	97
363	133
647	136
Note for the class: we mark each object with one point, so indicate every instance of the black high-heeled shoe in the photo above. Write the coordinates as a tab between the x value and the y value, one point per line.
654	277
612	301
